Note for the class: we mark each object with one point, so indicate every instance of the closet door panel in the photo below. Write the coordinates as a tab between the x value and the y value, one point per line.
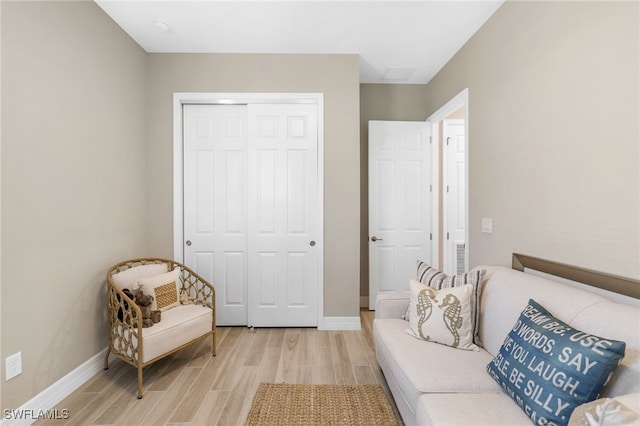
215	203
283	221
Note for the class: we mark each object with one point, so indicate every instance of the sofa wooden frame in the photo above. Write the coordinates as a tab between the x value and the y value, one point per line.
125	317
615	283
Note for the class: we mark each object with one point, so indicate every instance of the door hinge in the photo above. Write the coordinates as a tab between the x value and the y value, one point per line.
448	141
447	236
430	236
430	139
430	188
447	188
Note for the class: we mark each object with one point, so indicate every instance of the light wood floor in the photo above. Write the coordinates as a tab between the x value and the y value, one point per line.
194	388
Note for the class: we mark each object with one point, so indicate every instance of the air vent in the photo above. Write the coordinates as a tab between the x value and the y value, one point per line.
460	257
397	74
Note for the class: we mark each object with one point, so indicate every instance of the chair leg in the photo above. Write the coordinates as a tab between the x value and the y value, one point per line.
106	358
213	347
139	382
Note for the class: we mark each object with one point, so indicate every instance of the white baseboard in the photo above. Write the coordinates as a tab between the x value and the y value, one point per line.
340	323
54	394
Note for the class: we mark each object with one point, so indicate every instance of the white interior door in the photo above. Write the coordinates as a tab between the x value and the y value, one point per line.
215	199
454	180
283	215
400	179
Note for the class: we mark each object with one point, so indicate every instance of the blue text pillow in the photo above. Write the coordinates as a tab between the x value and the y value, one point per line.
549	368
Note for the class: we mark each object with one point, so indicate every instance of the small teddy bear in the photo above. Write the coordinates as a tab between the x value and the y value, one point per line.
126	305
144	302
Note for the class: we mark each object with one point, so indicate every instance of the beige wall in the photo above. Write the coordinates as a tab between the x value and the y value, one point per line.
73	182
87	170
334	75
389	102
86	155
553	133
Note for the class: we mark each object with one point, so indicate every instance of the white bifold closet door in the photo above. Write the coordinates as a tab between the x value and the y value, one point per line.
251	210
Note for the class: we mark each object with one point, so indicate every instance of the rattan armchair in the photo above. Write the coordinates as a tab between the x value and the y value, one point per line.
179	327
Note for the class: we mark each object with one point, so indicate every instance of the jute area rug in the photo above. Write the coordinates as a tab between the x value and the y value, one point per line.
286	404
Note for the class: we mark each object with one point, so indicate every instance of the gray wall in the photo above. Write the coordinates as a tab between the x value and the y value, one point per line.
334	75
73	182
553	133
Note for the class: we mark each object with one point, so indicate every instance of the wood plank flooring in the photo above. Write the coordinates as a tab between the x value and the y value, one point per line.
193	388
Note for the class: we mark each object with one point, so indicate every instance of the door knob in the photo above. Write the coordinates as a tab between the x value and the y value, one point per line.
312	243
188	243
374	239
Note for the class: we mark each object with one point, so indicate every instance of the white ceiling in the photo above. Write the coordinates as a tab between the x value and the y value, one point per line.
398	41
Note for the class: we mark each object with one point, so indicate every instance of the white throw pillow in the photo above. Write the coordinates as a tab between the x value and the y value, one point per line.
165	289
442	316
435	279
128	277
608	412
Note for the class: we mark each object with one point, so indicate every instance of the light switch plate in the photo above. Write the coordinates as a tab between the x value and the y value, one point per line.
487	225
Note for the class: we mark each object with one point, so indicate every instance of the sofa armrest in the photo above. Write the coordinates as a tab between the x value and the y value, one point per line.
391	305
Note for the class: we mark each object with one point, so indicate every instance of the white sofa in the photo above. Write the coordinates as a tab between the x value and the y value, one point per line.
434	384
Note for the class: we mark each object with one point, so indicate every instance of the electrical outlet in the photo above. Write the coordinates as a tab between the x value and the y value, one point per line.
13	366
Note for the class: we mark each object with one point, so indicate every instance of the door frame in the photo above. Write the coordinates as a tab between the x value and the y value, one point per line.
458	101
182	98
446	207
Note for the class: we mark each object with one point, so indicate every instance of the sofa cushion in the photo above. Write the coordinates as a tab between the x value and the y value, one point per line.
469	409
506	291
626	379
442	316
549	368
437	280
419	366
392	305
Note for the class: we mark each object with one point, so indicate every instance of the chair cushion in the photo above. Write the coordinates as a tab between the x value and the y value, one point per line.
178	326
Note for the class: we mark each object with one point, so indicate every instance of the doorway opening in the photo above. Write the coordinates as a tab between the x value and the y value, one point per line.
450	245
